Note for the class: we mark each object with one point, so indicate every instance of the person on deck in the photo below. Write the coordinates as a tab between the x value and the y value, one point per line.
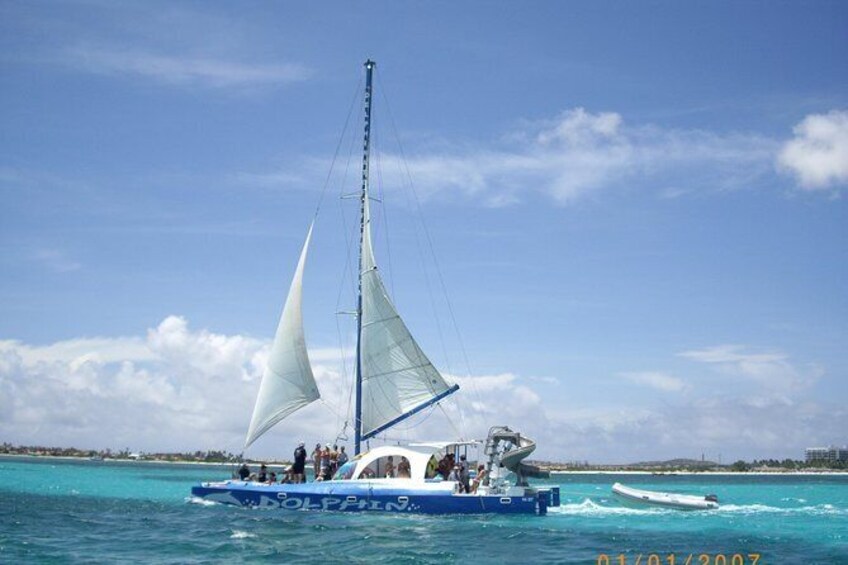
403	470
298	468
342	456
390	468
464	474
444	467
450	462
334	460
316	460
244	472
325	462
454	476
478	480
263	474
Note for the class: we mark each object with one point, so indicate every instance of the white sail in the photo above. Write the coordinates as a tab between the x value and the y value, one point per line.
397	377
287	383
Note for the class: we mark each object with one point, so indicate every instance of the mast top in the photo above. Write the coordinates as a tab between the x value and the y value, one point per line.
369	64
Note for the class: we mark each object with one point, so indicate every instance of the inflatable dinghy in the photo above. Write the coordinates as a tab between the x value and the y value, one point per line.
666	499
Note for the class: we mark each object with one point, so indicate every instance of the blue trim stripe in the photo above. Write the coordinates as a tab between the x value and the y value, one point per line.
415	410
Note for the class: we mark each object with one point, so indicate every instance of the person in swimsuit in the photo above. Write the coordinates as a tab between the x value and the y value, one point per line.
478	480
316	461
325	463
342	456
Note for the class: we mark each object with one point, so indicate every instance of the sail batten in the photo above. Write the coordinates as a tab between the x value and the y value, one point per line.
287	383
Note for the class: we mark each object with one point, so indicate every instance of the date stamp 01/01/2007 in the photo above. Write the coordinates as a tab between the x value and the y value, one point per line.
679	559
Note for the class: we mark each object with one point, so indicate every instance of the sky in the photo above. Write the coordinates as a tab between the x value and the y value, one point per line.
621	227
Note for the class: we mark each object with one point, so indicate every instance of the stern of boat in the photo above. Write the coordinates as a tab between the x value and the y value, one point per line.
547	498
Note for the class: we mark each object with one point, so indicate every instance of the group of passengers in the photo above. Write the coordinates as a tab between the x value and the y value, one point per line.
402	471
458	471
265	475
326	461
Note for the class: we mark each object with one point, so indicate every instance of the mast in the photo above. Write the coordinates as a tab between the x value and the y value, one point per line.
363	198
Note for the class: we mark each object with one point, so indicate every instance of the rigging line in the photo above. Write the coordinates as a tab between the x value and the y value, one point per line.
233	444
385	217
408	180
342	349
376	384
349	241
432	251
450	420
348	272
411	426
338	148
330	407
375	387
433	255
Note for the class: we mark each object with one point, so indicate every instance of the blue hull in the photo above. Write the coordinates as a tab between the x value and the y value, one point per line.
348	496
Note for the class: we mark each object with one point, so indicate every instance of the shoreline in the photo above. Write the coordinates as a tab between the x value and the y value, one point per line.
553	472
711	473
144	461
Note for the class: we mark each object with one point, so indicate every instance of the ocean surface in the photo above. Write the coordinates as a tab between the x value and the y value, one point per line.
61	511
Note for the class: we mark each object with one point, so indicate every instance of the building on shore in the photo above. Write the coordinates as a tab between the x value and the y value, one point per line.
830	454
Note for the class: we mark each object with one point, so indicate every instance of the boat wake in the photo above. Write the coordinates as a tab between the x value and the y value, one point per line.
820	509
590	508
239	534
200	501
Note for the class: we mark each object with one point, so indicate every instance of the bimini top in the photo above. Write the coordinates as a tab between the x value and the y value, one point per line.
371	464
445	444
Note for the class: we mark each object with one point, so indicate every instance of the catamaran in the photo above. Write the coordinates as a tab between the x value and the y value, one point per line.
394	379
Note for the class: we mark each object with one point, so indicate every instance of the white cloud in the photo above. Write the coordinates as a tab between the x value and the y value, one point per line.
104	350
579	127
574	156
818	154
655	380
57	261
770	369
179	388
182	69
713	424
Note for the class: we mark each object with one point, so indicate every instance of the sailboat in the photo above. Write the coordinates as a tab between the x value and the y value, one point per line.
394	381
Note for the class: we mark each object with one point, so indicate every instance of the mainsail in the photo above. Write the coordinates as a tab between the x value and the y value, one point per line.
397	377
287	384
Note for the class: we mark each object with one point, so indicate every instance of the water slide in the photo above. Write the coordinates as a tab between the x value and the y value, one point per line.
516	448
512	459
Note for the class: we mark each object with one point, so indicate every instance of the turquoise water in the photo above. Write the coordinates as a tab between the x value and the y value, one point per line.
102	512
